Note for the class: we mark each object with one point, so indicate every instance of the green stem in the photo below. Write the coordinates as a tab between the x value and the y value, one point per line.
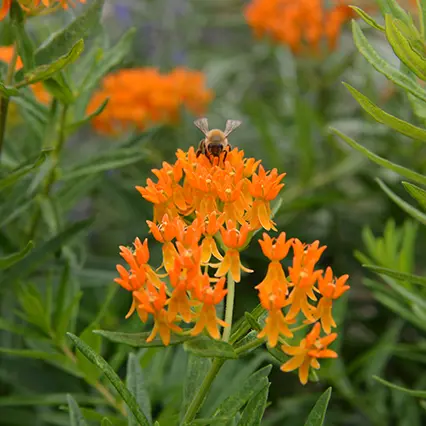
50	180
249	346
229	308
202	392
4	102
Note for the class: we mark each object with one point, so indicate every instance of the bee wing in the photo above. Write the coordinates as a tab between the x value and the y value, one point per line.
203	125
231	125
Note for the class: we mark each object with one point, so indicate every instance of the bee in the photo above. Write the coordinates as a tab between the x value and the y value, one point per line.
215	141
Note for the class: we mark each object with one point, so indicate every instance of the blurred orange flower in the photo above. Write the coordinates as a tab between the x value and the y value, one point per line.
300	24
41	94
141	97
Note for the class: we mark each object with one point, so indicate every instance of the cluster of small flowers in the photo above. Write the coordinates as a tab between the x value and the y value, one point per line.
300	24
139	97
6	53
33	5
205	213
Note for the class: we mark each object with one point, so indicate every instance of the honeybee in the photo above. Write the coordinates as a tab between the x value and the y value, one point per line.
215	141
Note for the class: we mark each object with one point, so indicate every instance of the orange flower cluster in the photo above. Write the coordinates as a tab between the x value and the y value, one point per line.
300	24
140	97
6	53
206	212
31	5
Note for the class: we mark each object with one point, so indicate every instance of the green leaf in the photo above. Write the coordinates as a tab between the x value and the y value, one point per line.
8	91
392	7
43	72
23	41
43	251
113	159
252	321
90	371
389	120
138	340
317	415
61	42
59	89
106	422
412	211
252	386
412	392
417	193
76	418
46	399
212	421
71	128
401	46
96	359
392	73
368	19
8	261
136	384
409	174
400	276
253	413
206	347
196	371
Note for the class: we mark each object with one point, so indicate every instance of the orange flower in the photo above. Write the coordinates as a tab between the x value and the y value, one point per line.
209	297
141	97
208	245
153	301
307	353
264	188
6	53
233	239
275	249
298	23
275	325
30	5
330	289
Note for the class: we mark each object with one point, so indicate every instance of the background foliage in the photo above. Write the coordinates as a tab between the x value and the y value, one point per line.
76	219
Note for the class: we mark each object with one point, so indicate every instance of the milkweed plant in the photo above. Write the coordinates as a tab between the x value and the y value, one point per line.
206	213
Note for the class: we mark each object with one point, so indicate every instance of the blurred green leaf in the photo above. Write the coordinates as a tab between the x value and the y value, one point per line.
90	371
417	193
106	422
414	60
392	7
383	117
8	261
401	276
110	160
96	359
22	170
43	251
71	128
59	89
409	174
252	386
136	384
393	74
368	19
253	412
61	42
412	211
317	415
138	340
212	421
412	392
196	371
76	417
207	347
46	399
23	41
44	72
8	91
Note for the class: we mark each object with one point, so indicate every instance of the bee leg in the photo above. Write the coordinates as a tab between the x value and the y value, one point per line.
201	149
228	148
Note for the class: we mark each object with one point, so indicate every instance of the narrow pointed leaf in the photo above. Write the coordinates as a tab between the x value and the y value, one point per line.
253	413
412	392
138	340
392	73
8	91
90	371
46	399
368	19
403	171
75	126
111	375
8	261
136	384
418	193
206	347
383	117
317	415
76	417
412	211
401	276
